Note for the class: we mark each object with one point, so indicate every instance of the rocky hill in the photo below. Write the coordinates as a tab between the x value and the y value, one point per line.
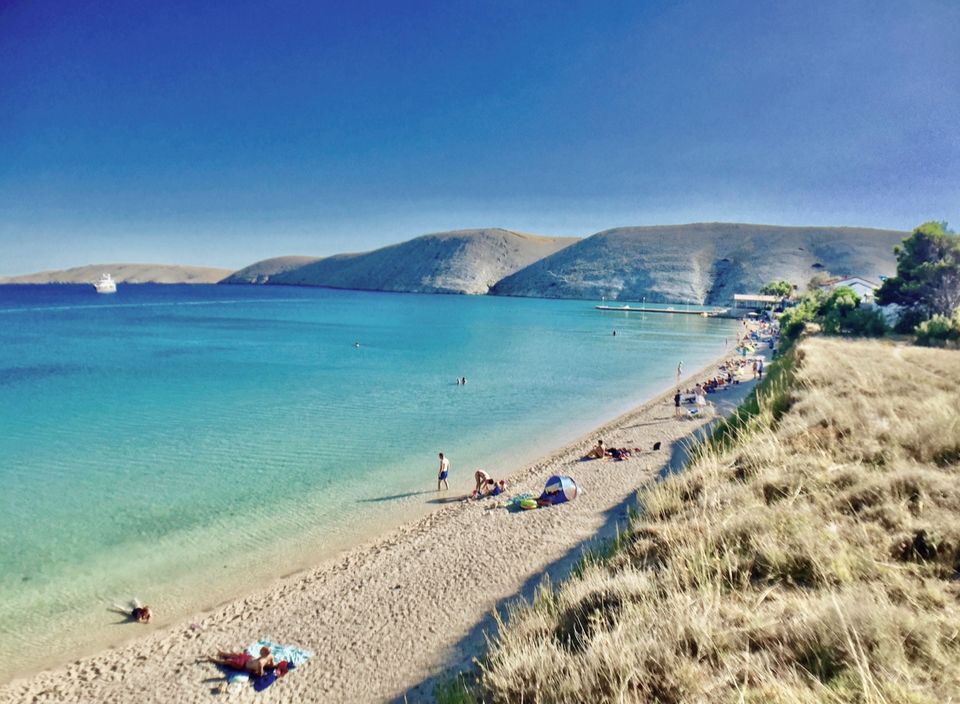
124	273
261	272
701	262
464	261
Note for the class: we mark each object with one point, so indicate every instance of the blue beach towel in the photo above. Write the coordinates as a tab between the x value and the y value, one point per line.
292	654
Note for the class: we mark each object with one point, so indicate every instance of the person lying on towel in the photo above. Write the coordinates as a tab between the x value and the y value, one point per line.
245	662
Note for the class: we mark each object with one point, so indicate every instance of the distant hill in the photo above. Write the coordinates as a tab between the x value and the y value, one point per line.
464	261
701	262
124	273
261	272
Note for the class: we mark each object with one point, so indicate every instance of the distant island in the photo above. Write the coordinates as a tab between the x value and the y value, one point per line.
701	263
124	273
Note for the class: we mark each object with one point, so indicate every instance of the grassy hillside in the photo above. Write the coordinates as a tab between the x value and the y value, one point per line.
701	262
809	554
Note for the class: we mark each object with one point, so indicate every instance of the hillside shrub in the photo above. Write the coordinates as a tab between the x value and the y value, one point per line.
940	331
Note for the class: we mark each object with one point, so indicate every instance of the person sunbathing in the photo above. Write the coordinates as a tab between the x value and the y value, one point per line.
245	662
599	450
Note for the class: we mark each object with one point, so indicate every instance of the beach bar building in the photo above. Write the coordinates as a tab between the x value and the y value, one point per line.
756	301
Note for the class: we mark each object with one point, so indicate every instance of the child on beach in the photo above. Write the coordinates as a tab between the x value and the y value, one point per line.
443	473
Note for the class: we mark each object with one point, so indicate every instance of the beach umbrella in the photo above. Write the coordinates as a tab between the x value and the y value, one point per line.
560	489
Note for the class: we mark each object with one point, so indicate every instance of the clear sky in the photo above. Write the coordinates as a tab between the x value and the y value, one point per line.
220	132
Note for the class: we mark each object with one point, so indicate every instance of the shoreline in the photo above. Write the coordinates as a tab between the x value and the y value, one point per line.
361	572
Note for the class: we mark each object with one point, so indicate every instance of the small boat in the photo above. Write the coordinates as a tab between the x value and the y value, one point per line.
105	284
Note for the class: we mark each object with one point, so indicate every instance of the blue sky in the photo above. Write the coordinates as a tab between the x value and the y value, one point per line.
222	132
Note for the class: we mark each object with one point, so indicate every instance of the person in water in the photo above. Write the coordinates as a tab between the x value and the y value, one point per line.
245	662
443	473
135	611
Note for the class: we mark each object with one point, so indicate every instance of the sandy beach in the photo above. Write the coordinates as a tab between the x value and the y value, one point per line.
388	617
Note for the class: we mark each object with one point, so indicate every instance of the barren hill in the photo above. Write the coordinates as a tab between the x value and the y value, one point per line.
701	262
261	272
124	273
464	261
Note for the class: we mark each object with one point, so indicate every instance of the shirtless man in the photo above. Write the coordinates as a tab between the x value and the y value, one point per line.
245	662
598	452
443	473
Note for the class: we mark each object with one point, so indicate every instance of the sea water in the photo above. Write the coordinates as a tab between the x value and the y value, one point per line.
182	444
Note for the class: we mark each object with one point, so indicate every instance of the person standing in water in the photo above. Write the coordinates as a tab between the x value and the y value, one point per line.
443	473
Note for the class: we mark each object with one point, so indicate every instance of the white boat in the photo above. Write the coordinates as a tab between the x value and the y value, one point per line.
105	284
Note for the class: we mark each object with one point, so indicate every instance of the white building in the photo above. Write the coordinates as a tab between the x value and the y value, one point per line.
865	288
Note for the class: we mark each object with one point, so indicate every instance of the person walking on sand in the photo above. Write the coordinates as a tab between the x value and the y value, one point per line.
443	473
676	404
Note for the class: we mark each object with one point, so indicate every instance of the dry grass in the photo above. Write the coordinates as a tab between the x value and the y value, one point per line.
810	554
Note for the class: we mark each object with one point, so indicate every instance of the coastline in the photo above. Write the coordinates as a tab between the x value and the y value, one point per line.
400	605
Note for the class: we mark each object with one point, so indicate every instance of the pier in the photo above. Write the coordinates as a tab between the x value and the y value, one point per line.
718	313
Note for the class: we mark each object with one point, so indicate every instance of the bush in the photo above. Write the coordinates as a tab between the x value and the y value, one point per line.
866	322
784	289
940	331
837	309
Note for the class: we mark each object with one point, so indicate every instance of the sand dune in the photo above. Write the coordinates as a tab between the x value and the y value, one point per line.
124	273
701	262
464	261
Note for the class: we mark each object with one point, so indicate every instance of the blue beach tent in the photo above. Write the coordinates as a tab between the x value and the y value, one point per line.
560	489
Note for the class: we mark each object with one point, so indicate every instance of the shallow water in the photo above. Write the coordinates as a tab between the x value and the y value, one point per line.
184	443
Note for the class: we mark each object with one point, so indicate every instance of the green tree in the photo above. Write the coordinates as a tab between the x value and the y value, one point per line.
837	309
778	288
928	274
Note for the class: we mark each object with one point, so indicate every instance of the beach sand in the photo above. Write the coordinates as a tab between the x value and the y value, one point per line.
387	618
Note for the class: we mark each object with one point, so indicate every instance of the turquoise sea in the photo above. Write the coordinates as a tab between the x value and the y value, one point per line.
182	444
